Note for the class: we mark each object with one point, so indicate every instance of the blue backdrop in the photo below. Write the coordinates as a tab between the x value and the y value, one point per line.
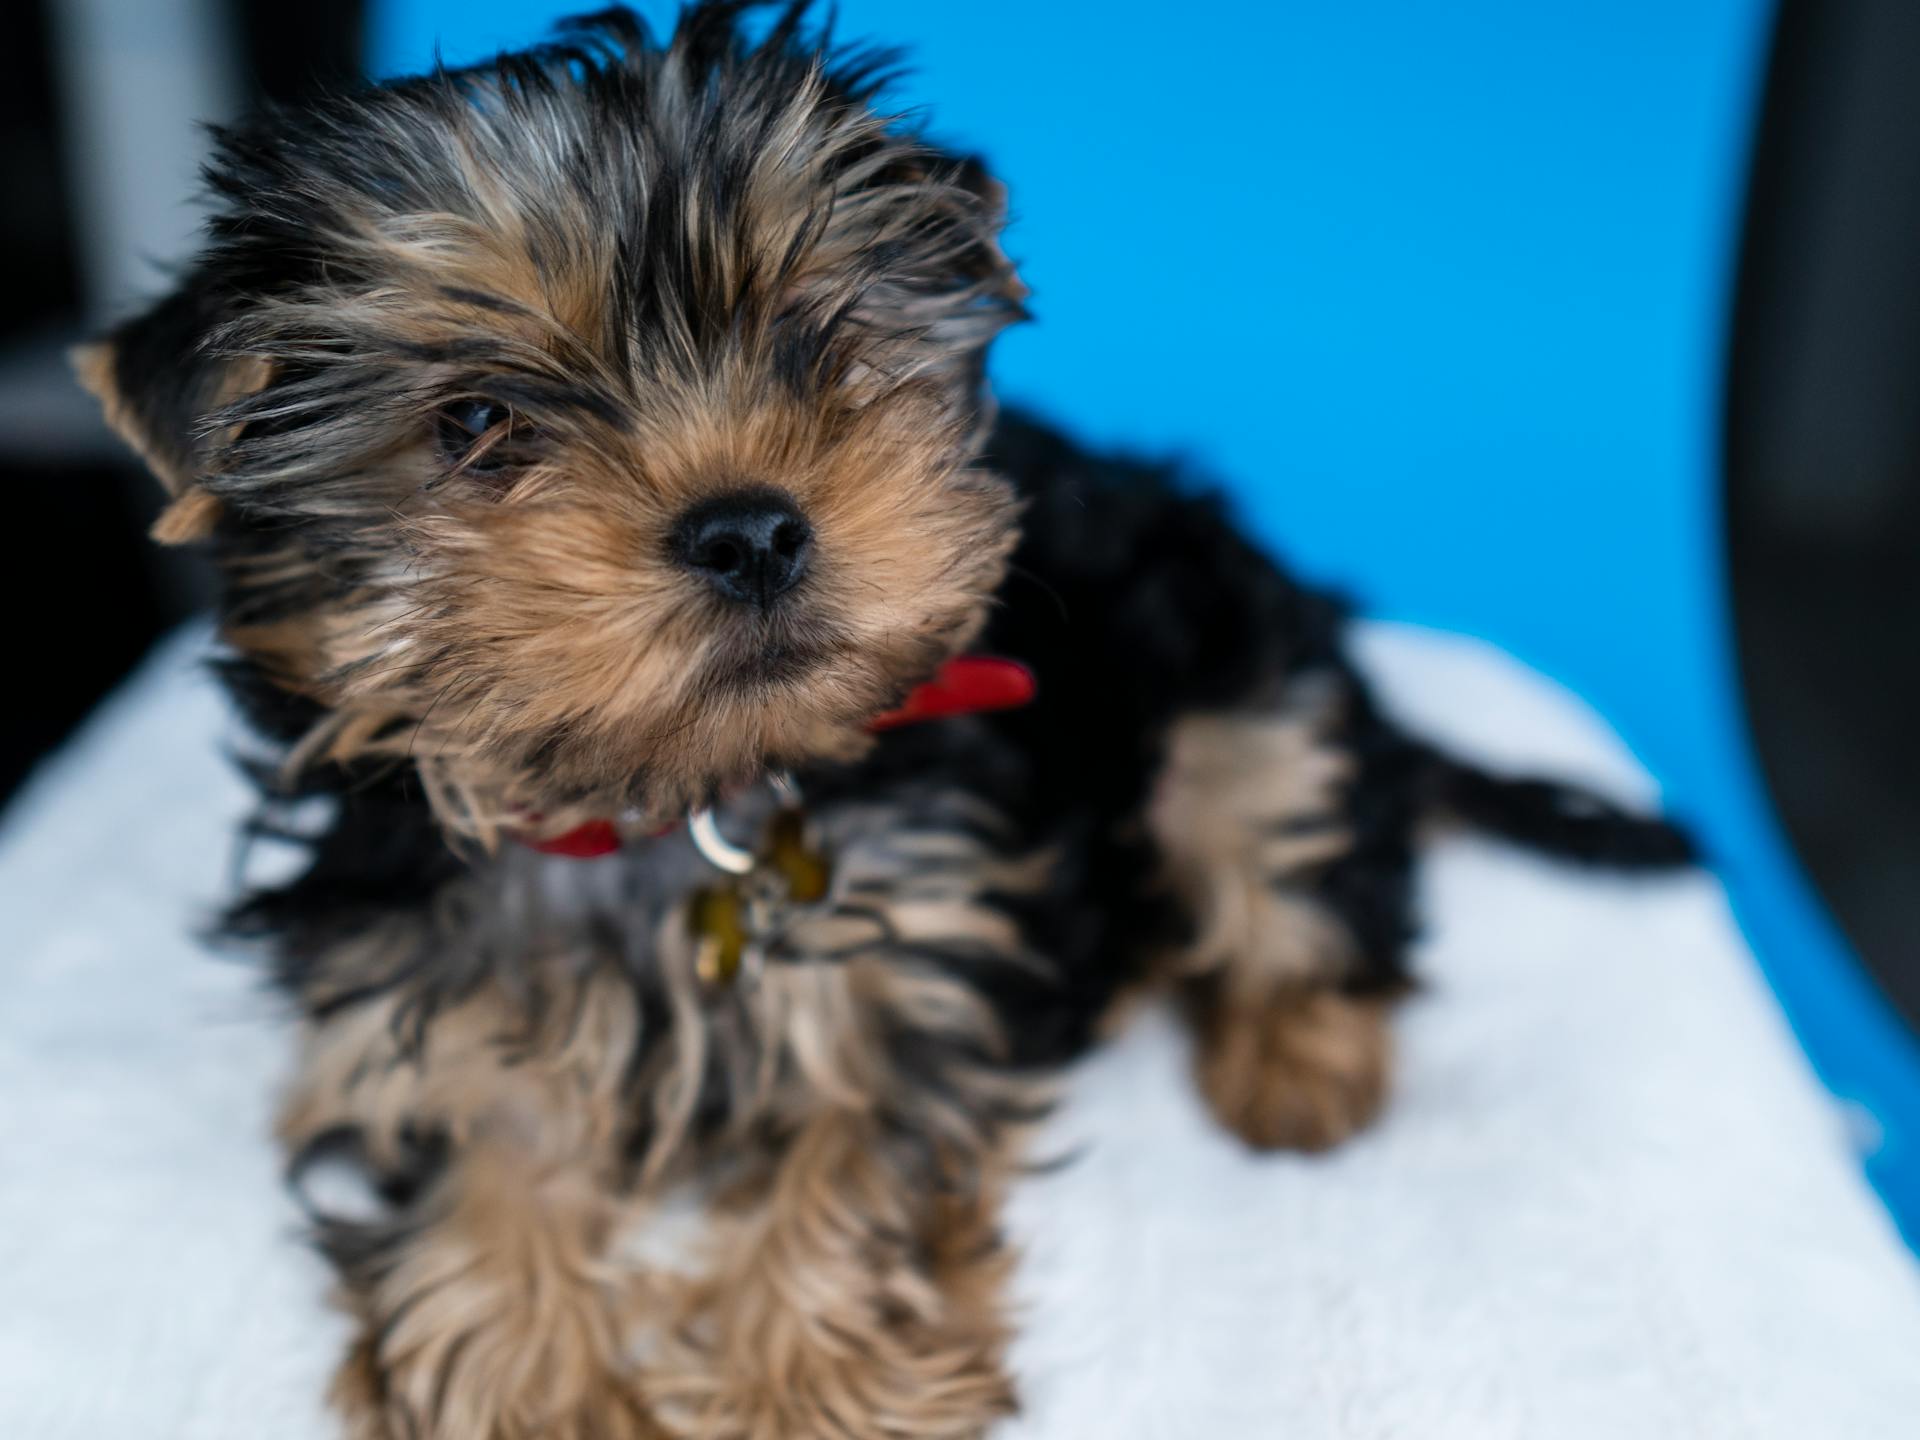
1443	290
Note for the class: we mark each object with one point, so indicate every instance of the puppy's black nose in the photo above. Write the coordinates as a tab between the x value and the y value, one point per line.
751	545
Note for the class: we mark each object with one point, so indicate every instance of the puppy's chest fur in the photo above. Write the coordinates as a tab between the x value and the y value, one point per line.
584	434
904	980
922	878
997	880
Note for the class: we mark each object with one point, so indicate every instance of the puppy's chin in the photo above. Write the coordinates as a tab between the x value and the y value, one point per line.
773	673
780	709
666	737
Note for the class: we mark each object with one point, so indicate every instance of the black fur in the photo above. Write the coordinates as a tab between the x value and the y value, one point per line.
1135	601
502	331
280	251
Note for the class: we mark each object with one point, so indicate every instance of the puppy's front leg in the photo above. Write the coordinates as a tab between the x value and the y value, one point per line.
493	1314
858	1296
1254	822
489	1307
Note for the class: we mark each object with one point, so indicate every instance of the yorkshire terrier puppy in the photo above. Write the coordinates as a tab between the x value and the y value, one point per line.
600	435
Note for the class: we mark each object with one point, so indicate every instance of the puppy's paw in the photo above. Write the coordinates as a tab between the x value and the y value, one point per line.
372	1403
1301	1071
782	1377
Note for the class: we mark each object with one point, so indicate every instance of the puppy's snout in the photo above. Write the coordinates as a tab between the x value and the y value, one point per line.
750	545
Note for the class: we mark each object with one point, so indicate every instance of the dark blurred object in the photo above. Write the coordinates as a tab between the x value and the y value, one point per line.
293	52
91	594
36	244
74	576
1824	460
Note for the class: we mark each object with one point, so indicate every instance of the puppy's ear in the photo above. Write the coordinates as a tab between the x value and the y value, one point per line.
158	380
988	257
1000	294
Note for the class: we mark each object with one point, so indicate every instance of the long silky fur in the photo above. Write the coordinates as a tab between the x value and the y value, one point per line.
682	266
693	265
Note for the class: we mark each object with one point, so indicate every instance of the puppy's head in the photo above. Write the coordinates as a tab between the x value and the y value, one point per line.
594	427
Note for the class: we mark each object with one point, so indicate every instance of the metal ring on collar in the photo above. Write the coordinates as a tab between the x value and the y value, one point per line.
717	849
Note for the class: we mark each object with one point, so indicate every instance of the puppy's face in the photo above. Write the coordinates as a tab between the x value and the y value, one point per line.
594	428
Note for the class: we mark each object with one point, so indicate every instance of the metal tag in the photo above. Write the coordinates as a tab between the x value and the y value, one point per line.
734	921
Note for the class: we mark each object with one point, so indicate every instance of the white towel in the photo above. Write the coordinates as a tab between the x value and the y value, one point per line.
1610	1199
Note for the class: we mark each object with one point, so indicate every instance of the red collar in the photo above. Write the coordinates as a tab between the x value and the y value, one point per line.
964	685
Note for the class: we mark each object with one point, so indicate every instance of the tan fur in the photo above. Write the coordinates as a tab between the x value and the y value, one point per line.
503	1319
289	648
93	366
1245	807
192	516
852	1293
809	1033
850	1279
478	1066
498	1315
669	304
1246	810
849	1301
1302	1069
572	622
526	640
193	511
553	610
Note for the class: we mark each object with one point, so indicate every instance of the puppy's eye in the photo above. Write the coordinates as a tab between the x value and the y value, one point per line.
473	435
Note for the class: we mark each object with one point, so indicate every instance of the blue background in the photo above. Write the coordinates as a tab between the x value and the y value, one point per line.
1443	288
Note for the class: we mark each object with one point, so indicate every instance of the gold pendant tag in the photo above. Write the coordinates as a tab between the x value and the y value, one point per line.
720	931
732	922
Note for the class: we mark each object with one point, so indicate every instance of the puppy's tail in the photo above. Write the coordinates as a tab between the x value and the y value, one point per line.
1566	821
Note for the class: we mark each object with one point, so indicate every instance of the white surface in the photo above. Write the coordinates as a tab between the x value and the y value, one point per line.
1610	1200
